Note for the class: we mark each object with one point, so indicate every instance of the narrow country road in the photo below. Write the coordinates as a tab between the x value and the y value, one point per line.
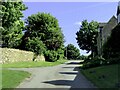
62	76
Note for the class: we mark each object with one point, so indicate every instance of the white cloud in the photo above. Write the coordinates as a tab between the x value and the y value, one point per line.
78	23
84	52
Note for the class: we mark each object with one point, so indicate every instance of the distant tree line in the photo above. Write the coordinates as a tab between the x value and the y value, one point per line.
71	52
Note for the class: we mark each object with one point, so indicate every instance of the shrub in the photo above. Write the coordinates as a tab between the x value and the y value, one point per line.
35	45
82	57
93	62
51	56
113	60
60	53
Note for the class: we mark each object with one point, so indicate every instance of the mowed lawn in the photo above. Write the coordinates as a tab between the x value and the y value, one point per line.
104	76
31	64
12	78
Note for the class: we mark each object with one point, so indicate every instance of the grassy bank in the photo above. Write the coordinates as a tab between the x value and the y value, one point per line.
32	64
12	78
104	76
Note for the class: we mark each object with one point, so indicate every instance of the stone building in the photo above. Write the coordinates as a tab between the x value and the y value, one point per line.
99	38
118	12
105	30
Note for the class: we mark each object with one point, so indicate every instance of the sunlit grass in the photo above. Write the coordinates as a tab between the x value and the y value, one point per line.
12	78
32	64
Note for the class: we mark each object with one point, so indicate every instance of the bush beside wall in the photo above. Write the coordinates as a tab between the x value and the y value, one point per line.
16	55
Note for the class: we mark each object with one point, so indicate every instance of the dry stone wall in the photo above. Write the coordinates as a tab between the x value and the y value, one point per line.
15	55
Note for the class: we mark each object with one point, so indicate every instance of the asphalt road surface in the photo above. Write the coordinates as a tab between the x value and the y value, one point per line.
66	75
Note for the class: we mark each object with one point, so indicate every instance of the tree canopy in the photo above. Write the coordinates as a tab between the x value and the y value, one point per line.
45	28
87	36
72	52
12	25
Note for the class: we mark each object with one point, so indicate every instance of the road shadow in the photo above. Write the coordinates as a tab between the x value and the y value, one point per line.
77	83
60	82
75	68
69	73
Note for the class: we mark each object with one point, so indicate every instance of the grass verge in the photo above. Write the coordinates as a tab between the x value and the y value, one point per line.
104	76
12	78
32	64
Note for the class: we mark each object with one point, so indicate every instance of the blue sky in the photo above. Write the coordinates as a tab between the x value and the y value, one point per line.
71	14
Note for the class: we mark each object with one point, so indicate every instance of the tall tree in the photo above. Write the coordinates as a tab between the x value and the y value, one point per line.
12	25
45	27
72	52
87	36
